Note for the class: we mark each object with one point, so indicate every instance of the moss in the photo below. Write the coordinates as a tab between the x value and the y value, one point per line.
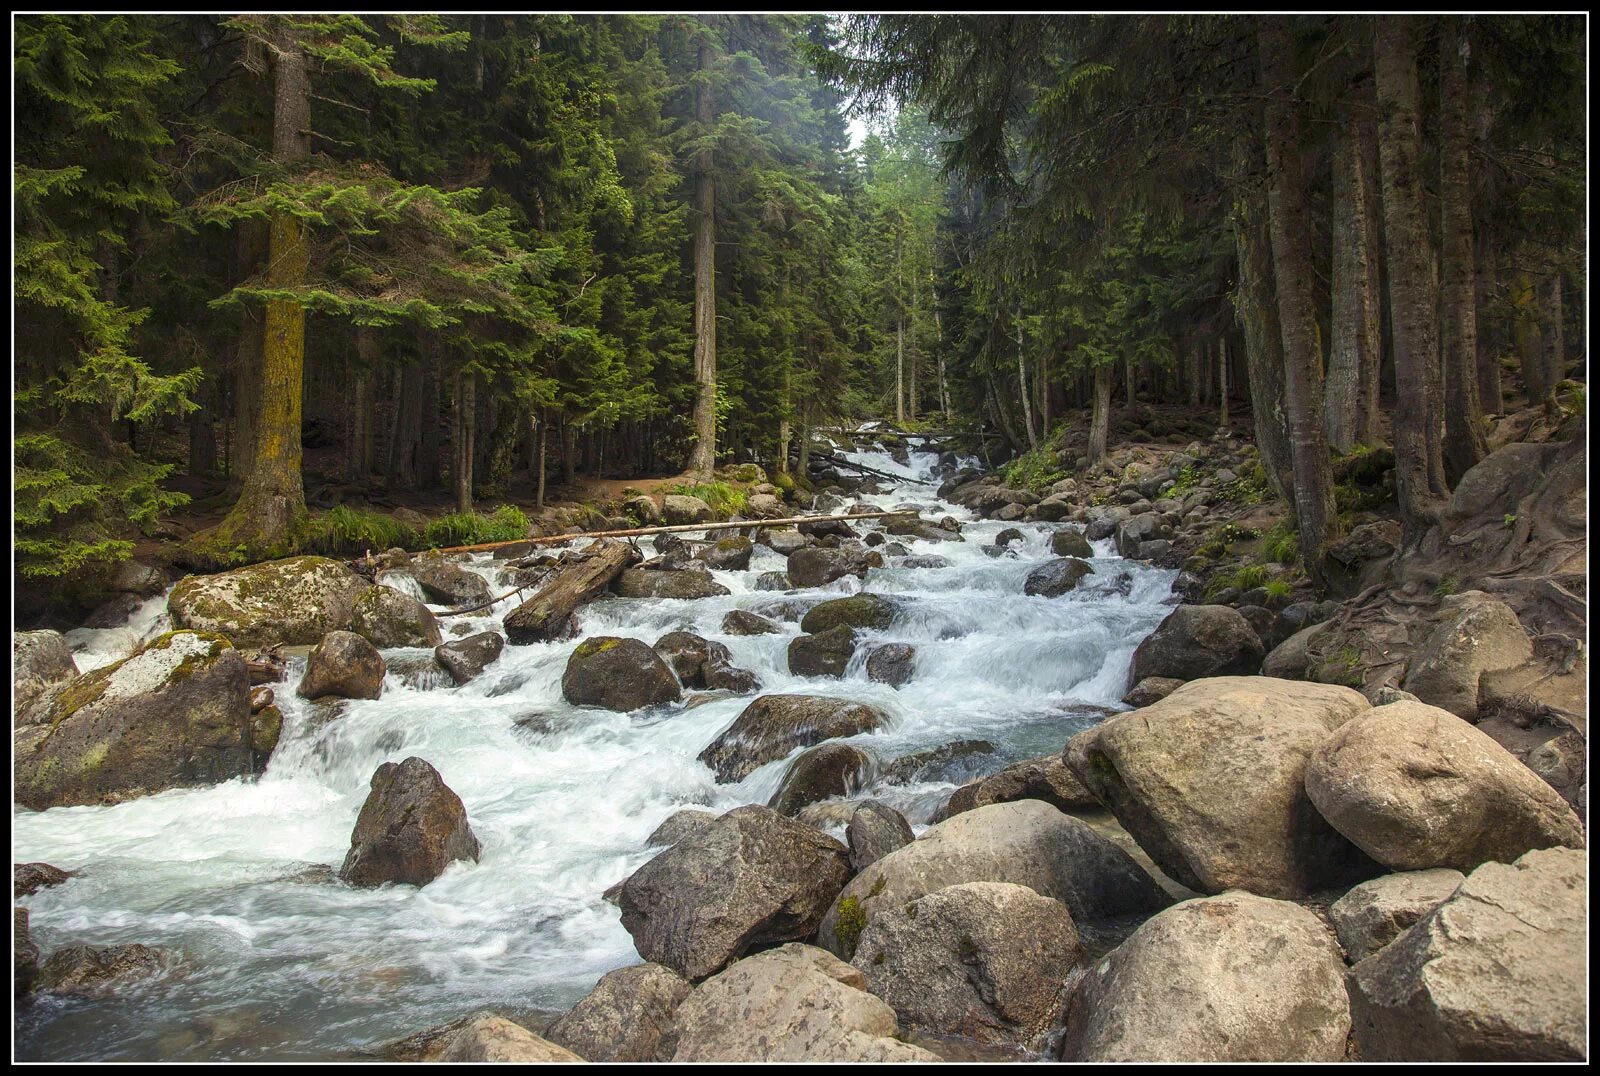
95	757
1101	764
848	926
879	958
911	910
878	886
80	693
591	647
1447	586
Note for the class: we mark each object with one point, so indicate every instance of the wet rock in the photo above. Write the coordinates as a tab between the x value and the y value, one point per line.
1374	913
1417	787
893	664
419	672
793	1003
823	772
730	554
1196	641
343	665
986	960
465	658
113	613
626	1017
1151	689
266	727
387	618
827	653
137	578
1234	977
938	763
618	674
784	540
680	825
873	831
864	611
678	510
1481	635
774	581
39	659
687	654
925	562
816	566
24	954
774	725
28	878
752	878
1044	778
1067	542
912	527
294	602
1027	843
743	622
1211	782
411	827
1497	972
646	583
260	698
176	714
449	584
83	971
1054	578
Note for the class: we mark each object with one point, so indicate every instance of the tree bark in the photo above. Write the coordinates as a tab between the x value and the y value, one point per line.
1290	224
545	615
271	515
1552	340
1525	330
1412	295
1369	402
1465	441
250	247
430	446
703	456
1022	387
1222	382
1100	414
1354	328
1491	329
464	415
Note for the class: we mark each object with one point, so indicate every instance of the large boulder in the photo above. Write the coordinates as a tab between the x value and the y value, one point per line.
1497	972
1067	542
1374	913
345	666
294	602
1211	782
411	827
727	554
678	510
449	583
751	878
176	714
774	725
1044	778
625	1017
465	658
1196	641
648	583
827	653
386	618
864	611
482	1036
1481	635
874	830
892	663
1026	843
28	878
1417	787
679	825
819	773
744	622
817	566
1234	977
984	960
618	674
39	659
1054	578
792	1003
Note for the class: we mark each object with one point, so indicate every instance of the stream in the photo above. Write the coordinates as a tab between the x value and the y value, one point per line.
271	966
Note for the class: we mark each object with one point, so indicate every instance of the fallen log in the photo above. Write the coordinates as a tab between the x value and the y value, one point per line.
644	532
575	583
835	461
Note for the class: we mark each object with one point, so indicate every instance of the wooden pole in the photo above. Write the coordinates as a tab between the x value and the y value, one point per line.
641	532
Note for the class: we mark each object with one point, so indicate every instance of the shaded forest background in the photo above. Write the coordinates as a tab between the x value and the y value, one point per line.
451	262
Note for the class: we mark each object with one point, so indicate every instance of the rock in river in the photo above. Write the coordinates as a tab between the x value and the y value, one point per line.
294	601
411	827
773	725
343	665
618	674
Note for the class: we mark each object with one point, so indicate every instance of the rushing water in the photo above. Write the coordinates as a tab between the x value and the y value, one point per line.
270	966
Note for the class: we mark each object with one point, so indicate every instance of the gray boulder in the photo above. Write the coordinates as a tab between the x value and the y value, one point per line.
1417	787
1234	977
345	666
743	622
626	1017
1497	972
1045	778
411	827
387	618
863	611
1054	578
680	825
618	674
1196	641
83	971
774	725
827	653
874	830
823	772
750	879
294	601
1067	542
448	583
687	584
727	554
465	658
679	510
1374	913
892	663
816	566
39	659
1482	635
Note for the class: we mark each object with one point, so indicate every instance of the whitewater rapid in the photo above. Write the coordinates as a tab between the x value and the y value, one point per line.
271	966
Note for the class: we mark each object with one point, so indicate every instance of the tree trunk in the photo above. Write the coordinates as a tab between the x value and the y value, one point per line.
407	440
1127	371
203	433
1022	388
1258	317
1525	330
1100	414
464	419
1290	225
250	247
1412	294
703	456
430	446
270	516
1354	321
1465	442
784	427
1369	403
1491	330
938	328
1222	382
542	434
1551	336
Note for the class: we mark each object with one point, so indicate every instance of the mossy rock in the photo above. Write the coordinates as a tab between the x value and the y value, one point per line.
295	601
861	611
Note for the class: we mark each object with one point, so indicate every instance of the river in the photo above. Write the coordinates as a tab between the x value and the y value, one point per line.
271	967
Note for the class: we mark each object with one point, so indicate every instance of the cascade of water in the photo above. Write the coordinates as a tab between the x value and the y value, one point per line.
562	799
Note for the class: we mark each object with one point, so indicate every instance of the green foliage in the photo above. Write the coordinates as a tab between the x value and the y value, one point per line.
1447	585
722	497
505	524
1278	591
1251	487
1219	542
346	530
1034	471
1281	544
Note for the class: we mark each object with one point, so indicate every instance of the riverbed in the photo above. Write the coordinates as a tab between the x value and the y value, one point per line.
271	963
